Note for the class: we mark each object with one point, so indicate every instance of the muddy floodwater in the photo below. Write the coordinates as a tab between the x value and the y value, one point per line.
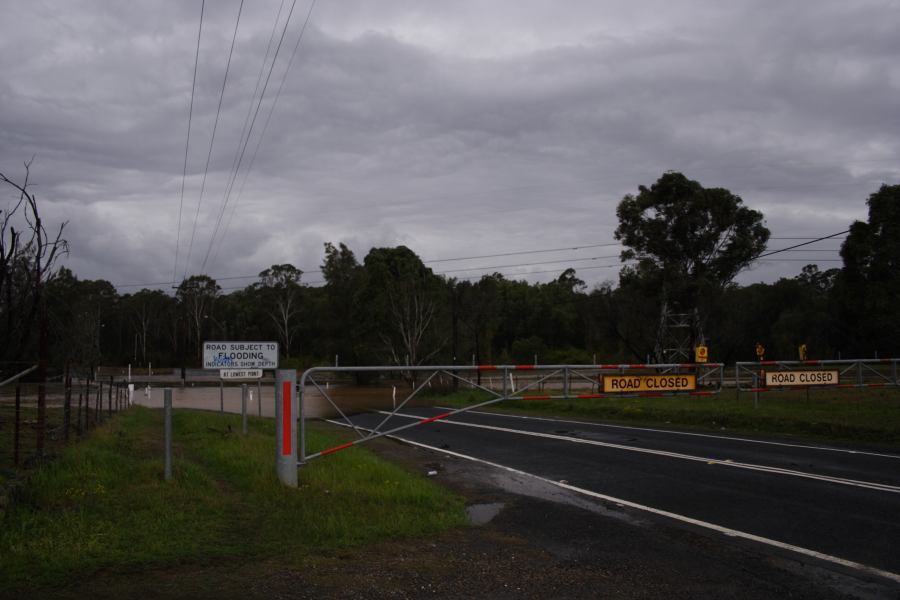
350	399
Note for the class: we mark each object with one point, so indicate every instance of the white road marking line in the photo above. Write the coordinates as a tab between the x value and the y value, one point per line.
883	487
664	513
705	435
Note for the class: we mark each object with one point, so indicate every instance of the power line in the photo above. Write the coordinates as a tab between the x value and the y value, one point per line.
187	143
262	94
437	260
540	251
232	174
212	138
827	237
258	141
548	262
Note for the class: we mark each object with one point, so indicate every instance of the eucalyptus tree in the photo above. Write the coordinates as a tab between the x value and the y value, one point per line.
686	243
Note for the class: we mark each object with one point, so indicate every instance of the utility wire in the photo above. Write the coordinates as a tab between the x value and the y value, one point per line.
253	121
803	244
259	140
212	138
187	143
525	252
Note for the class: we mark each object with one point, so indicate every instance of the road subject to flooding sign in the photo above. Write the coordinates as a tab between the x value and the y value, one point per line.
649	383
785	378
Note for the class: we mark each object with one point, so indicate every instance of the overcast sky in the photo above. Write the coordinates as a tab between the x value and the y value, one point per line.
457	128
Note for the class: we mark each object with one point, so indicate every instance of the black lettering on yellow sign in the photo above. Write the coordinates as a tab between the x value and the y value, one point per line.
649	383
802	378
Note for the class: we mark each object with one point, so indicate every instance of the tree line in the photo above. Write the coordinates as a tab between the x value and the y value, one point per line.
684	246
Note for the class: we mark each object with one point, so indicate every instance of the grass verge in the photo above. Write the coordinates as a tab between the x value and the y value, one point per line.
103	503
847	415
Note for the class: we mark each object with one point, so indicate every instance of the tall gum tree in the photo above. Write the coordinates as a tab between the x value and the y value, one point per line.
687	242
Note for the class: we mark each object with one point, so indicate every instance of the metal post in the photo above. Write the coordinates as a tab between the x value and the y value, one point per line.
78	413
755	390
859	374
109	395
566	382
259	397
244	408
286	426
67	408
167	417
302	447
18	420
221	397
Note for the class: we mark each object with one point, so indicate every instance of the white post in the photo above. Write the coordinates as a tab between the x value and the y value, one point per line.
286	413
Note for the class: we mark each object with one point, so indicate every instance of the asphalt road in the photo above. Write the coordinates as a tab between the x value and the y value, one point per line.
836	506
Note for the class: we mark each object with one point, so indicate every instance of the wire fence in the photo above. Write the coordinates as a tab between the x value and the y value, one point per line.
31	431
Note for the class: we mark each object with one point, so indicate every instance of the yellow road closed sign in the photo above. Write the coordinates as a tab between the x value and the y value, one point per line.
804	378
649	383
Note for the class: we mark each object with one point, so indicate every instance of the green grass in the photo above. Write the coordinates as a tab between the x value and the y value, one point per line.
104	505
847	415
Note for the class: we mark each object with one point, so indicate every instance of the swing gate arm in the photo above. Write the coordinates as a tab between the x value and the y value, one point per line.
565	378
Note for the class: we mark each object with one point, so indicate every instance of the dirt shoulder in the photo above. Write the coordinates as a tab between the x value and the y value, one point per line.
544	543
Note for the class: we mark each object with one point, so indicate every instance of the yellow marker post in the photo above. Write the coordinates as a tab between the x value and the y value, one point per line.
701	354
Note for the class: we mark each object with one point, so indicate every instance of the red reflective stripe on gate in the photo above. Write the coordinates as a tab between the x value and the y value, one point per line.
336	448
877	384
701	393
768	362
535	397
487	368
590	396
430	419
286	418
847	385
759	390
524	367
812	362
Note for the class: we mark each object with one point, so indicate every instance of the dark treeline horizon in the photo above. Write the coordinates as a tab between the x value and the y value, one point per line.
685	244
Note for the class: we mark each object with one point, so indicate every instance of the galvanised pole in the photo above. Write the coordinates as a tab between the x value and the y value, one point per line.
167	417
286	412
244	408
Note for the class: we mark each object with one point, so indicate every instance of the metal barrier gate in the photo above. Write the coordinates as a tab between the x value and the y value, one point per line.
562	381
851	373
854	373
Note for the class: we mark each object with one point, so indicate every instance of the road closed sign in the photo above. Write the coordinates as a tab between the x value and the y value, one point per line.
649	383
802	378
240	355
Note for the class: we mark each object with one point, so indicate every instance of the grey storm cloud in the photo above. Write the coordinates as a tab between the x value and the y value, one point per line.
458	129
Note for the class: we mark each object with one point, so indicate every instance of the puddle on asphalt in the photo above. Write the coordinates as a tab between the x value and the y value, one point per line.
480	514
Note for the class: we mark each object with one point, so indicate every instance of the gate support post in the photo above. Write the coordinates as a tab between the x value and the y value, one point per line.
286	412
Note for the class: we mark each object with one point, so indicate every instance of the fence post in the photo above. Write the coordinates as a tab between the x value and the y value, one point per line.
18	421
109	399
566	382
859	373
41	417
244	408
259	397
78	413
755	390
67	407
167	416
286	426
99	413
221	396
